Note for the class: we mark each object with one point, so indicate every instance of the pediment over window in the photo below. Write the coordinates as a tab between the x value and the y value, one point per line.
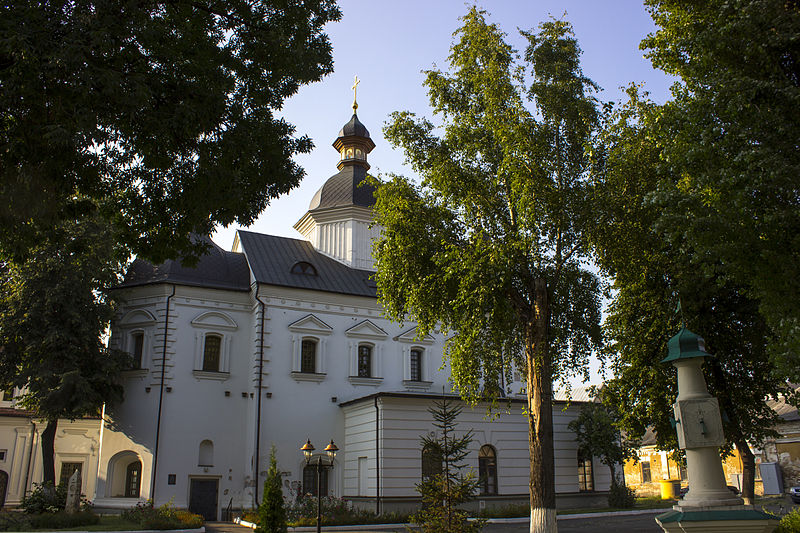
410	337
138	317
310	324
366	330
214	320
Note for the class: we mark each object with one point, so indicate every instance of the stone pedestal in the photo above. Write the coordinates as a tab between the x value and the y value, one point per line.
727	519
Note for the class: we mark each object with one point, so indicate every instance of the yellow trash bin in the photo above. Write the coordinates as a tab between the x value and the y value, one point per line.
670	489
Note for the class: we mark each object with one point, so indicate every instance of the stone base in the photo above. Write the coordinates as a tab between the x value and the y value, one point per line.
740	519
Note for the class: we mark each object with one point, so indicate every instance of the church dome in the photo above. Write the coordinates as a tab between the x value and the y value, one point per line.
354	128
345	188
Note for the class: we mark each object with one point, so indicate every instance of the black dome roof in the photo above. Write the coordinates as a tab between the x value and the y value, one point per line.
354	127
345	188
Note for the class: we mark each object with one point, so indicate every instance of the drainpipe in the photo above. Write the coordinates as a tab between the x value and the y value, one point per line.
30	458
160	399
377	460
259	394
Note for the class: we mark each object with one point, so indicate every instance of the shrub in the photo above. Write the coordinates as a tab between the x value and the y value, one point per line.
336	512
14	521
62	520
789	523
272	511
620	496
44	498
164	517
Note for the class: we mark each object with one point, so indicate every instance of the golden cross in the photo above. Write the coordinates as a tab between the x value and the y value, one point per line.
355	88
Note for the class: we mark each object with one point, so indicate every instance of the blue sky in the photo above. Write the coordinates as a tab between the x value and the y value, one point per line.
388	43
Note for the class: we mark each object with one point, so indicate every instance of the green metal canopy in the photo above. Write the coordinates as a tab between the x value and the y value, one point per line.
685	345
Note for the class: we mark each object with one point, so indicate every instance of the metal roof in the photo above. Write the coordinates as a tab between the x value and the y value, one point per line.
216	269
271	260
343	189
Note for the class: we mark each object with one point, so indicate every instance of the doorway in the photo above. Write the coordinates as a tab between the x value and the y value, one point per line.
203	494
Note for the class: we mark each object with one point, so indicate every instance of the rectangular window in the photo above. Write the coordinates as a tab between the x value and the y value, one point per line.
138	348
416	365
3	455
308	357
364	361
211	352
67	469
646	478
310	480
585	476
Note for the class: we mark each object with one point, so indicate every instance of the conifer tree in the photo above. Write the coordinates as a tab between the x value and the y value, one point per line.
445	490
272	512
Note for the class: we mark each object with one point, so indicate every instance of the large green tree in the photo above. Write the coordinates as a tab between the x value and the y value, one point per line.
52	315
652	275
490	246
160	113
730	141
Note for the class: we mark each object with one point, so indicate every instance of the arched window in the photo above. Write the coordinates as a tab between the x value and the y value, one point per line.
133	479
304	268
308	356
415	368
364	361
205	457
487	469
211	352
310	480
431	461
585	477
137	348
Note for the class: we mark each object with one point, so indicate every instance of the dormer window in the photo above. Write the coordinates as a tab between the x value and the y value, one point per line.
303	268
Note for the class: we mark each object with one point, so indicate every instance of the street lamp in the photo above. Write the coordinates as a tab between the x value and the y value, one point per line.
308	451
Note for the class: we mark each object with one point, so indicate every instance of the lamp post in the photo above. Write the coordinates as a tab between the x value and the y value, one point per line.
308	451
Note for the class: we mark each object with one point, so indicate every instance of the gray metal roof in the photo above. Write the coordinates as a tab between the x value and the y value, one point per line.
216	269
271	259
345	188
354	128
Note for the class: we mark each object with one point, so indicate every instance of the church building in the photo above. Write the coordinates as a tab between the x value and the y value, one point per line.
280	341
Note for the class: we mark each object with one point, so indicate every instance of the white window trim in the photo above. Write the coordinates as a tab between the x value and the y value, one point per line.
376	372
129	345
297	351
224	351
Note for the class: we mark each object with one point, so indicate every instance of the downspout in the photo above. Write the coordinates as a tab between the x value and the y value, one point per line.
377	459
259	394
30	458
160	399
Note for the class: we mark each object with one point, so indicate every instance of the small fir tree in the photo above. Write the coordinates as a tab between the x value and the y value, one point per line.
444	486
272	512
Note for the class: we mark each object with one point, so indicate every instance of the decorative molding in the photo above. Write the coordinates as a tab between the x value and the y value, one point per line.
215	320
410	336
372	382
215	376
417	386
137	317
305	376
310	324
366	330
135	373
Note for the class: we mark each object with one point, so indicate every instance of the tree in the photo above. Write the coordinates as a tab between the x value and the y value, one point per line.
491	245
52	315
159	113
729	141
272	511
652	276
598	436
444	491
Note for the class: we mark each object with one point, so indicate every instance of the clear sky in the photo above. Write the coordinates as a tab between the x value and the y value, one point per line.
388	43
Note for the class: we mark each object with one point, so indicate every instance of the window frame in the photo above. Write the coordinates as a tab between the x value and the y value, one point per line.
649	471
429	466
206	364
487	462
365	352
304	359
585	475
418	354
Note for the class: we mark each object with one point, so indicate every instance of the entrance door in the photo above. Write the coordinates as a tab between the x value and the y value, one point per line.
203	497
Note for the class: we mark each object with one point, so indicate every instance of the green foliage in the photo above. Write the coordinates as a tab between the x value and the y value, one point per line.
162	113
163	517
443	492
44	498
62	520
272	511
621	496
336	512
491	245
597	435
789	523
729	157
652	274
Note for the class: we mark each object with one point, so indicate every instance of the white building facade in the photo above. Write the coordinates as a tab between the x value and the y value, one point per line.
281	340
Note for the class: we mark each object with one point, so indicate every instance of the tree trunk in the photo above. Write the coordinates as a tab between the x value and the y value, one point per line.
540	416
748	470
48	452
